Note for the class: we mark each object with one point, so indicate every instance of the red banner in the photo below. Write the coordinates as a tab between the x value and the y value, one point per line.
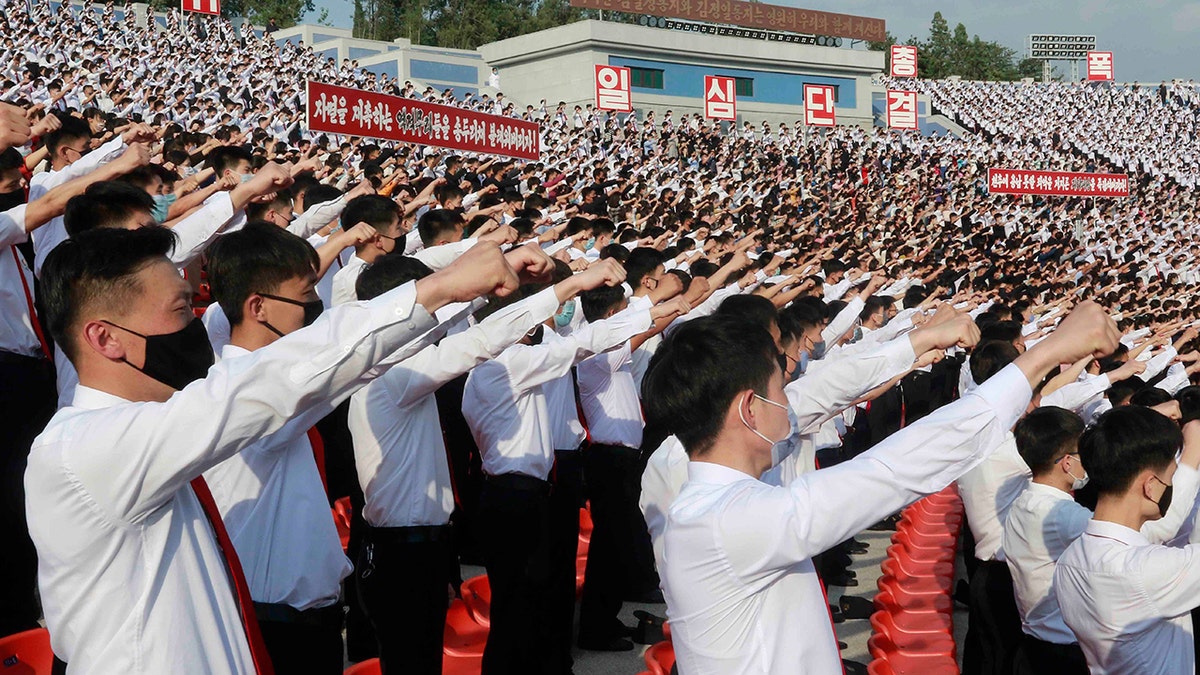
1100	65
613	88
901	109
212	7
819	106
904	61
1059	183
353	112
720	98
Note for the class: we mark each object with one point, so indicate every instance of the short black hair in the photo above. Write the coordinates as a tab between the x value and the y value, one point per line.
619	253
698	370
226	157
1123	442
797	318
390	271
598	301
750	309
72	129
105	204
374	210
642	261
1149	397
1008	331
318	194
256	259
437	222
989	358
97	267
10	158
1189	403
1045	435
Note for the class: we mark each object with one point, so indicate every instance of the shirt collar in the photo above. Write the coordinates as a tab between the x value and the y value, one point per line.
715	474
94	399
1109	530
1050	491
231	351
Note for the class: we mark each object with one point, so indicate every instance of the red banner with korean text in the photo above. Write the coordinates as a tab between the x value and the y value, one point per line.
720	98
1057	183
212	7
354	112
1100	66
904	61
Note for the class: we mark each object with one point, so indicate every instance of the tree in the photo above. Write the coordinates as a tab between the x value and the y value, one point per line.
945	53
286	13
459	24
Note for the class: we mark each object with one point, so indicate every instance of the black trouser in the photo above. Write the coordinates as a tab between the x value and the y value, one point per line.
613	482
565	501
28	397
466	469
515	517
1036	657
993	624
302	642
403	577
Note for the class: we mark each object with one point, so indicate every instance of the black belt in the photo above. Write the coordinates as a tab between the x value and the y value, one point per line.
416	534
328	617
519	482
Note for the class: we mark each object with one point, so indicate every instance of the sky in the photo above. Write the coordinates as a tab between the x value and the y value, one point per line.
1151	40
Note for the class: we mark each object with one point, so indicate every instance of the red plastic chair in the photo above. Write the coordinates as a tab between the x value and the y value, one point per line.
911	539
463	636
941	570
585	524
660	658
901	663
461	665
580	568
477	593
908	585
342	511
897	646
368	667
582	550
890	598
910	520
922	556
926	535
912	623
26	653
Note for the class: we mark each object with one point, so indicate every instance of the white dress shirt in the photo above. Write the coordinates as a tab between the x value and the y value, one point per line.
1077	395
1128	601
345	279
217	324
566	431
504	403
16	325
277	514
399	450
127	565
742	594
1042	523
988	491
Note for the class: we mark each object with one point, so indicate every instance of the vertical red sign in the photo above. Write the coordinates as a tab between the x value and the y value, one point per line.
720	98
819	106
1100	65
613	89
901	109
904	61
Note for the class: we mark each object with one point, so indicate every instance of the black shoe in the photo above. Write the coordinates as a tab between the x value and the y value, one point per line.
843	580
649	629
612	645
835	613
962	593
842	645
853	607
857	548
854	667
887	524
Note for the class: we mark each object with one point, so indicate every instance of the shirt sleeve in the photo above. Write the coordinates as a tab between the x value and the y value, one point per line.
195	232
440	257
1076	395
832	388
314	218
12	226
774	529
530	367
132	459
844	321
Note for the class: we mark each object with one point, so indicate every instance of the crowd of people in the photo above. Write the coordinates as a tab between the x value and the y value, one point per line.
739	346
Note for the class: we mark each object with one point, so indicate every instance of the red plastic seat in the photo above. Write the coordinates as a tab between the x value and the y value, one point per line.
931	517
929	647
909	666
923	556
908	585
585	524
477	593
342	511
26	653
461	665
928	536
368	667
920	568
912	623
660	658
580	568
891	598
582	550
910	538
463	636
925	527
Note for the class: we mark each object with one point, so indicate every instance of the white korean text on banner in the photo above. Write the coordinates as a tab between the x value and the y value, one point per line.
354	112
901	109
1058	183
212	7
613	89
1100	65
720	98
819	106
904	61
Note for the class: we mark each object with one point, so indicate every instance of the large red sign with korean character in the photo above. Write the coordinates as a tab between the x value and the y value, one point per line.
1100	65
612	88
353	112
720	98
819	106
212	7
1058	183
901	109
904	61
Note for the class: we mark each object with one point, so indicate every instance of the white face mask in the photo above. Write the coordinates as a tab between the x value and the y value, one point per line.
1079	482
780	448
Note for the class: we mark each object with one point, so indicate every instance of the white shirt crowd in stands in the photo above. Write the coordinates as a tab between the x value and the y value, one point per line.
875	260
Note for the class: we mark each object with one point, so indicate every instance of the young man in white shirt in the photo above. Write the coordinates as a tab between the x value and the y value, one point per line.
1127	600
271	494
108	478
741	590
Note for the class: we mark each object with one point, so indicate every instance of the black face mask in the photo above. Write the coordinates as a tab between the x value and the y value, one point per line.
1164	500
11	200
312	310
176	359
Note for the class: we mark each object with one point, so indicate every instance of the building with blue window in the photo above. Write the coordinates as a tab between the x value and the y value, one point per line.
668	69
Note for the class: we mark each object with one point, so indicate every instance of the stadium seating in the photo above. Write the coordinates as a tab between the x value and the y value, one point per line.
26	653
660	658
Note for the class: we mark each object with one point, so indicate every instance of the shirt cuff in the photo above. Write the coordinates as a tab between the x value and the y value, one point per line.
1008	393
